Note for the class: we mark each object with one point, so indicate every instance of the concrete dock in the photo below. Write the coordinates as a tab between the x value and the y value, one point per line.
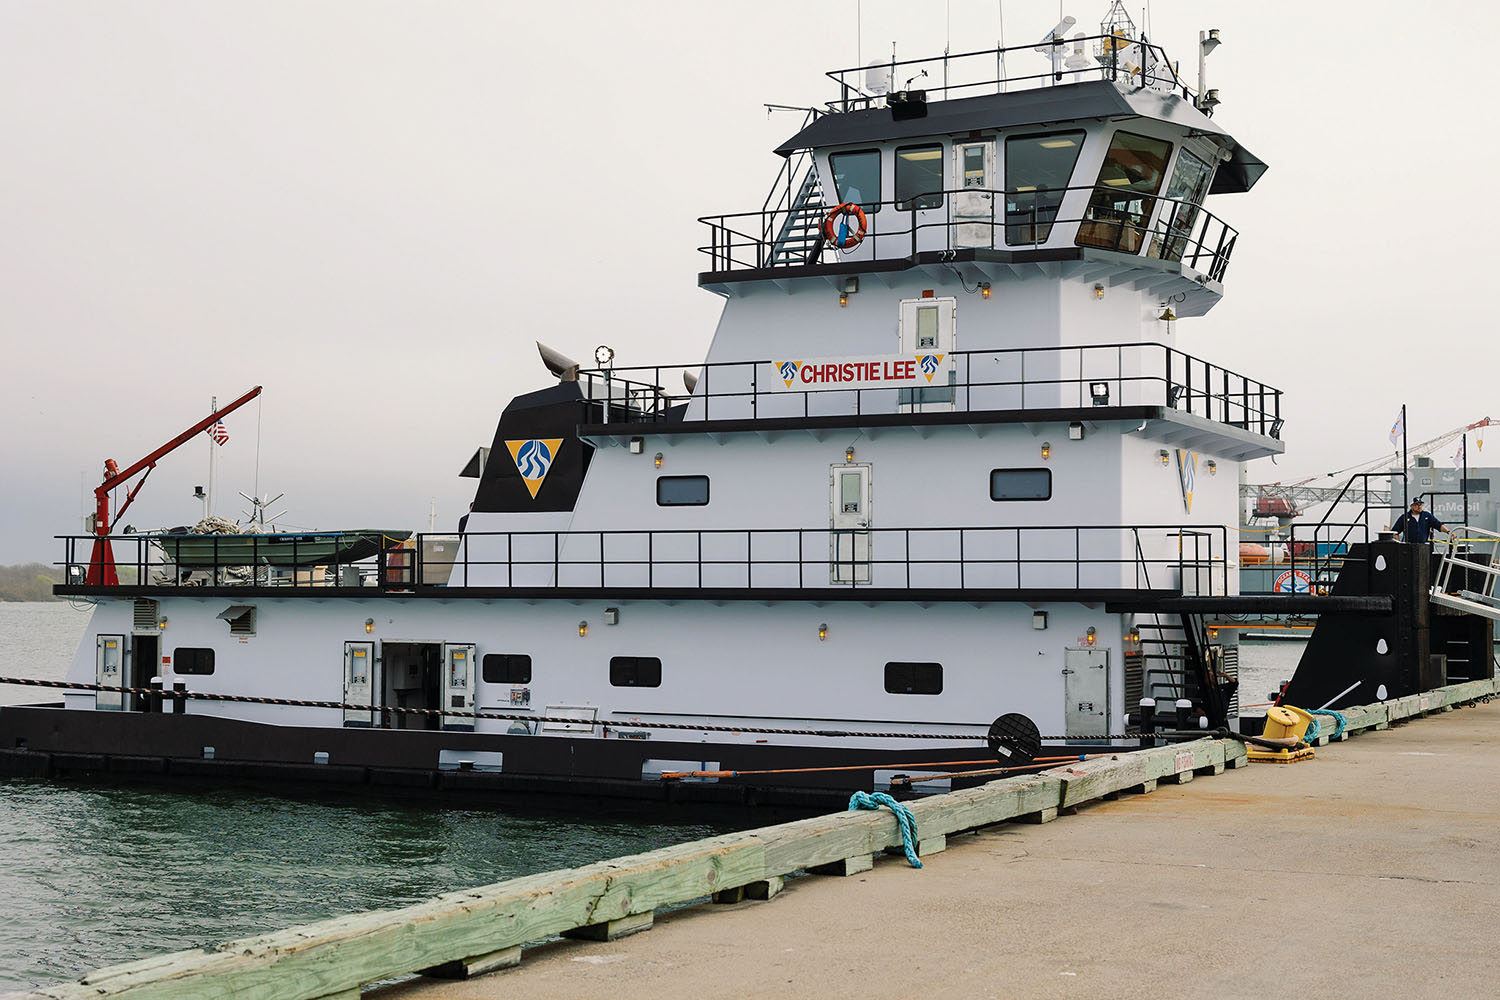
1373	869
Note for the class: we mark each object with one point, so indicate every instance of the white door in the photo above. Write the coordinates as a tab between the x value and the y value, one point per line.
359	683
1086	691
974	204
458	684
849	523
109	660
926	329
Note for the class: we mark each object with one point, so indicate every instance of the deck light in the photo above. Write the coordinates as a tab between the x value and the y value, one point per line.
1046	450
583	629
369	625
1163	456
984	289
848	288
843	298
657	460
1075	431
1091	637
1133	637
849	453
637	445
1213	633
1098	289
1213	467
163	623
1039	620
1099	393
822	631
1276	426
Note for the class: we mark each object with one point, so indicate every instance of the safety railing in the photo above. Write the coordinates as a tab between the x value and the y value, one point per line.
1099	375
1114	558
1124	61
1136	223
1469	566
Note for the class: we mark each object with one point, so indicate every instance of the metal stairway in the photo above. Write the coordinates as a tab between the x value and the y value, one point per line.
798	240
1465	581
1180	661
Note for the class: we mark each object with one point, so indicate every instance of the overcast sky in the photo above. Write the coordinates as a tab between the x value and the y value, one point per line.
373	209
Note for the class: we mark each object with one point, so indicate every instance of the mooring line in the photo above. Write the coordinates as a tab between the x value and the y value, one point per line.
861	767
170	695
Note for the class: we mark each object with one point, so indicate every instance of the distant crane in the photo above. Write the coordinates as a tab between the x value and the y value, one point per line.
102	560
1285	501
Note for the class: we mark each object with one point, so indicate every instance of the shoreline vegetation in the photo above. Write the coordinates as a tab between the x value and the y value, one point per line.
28	582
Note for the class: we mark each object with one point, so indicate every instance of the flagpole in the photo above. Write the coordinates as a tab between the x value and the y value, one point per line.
1463	482
213	447
1405	466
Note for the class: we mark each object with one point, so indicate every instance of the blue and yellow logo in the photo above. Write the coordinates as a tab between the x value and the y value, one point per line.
534	459
929	363
788	371
1187	475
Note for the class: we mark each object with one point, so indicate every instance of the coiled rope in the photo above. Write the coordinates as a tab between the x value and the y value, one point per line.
904	819
1340	723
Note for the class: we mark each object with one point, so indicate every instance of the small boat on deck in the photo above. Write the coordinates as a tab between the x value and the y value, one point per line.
304	548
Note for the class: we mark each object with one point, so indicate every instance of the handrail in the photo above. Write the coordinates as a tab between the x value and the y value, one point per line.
1153	372
1148	75
959	558
1162	229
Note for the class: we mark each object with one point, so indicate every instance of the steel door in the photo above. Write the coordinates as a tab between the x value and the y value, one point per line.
849	523
458	684
359	683
974	204
109	661
1086	691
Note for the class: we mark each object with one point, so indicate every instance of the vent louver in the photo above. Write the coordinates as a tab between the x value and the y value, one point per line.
146	616
241	619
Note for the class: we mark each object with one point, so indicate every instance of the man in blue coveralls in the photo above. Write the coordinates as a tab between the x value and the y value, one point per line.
1416	524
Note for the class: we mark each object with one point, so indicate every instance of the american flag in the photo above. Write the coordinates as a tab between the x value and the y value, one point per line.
218	432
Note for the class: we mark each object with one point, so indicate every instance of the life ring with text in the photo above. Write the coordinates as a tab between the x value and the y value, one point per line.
843	237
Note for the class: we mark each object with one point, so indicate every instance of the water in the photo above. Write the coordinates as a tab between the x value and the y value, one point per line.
94	875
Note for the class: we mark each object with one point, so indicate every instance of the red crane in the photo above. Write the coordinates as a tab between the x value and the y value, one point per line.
102	560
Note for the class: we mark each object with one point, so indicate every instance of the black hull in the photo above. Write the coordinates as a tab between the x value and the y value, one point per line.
52	742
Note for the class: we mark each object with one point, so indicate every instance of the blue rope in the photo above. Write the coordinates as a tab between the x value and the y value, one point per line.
904	818
1313	729
1338	719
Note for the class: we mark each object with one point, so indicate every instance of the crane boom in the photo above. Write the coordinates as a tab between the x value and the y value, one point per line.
101	570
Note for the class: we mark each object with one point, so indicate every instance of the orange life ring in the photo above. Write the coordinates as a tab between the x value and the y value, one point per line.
850	239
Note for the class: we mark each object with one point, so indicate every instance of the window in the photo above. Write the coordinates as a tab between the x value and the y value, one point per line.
1122	203
914	678
681	491
856	178
192	660
1476	486
635	671
1188	188
919	178
506	668
1020	484
1037	171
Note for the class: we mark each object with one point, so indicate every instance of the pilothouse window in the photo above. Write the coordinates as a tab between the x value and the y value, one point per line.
856	178
1037	171
1188	188
919	178
1123	198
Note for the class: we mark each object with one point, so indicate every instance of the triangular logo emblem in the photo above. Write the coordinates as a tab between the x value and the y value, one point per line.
534	459
929	363
788	371
1187	475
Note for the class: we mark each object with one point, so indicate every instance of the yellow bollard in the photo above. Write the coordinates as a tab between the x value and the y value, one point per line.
1283	722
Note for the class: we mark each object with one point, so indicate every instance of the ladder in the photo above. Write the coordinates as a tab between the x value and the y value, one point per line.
798	240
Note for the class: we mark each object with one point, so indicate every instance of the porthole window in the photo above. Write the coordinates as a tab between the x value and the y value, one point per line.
681	491
635	671
1020	484
506	668
913	678
192	660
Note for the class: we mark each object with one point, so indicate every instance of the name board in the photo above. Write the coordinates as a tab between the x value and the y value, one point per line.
888	371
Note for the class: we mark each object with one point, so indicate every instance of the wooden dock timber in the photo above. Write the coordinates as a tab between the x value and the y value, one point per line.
475	930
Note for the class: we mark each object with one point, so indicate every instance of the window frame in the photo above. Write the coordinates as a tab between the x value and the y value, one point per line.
915	673
914	204
1135	225
620	665
1012	499
195	660
508	676
682	503
869	207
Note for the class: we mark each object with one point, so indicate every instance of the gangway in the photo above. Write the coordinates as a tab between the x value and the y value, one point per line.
1465	579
